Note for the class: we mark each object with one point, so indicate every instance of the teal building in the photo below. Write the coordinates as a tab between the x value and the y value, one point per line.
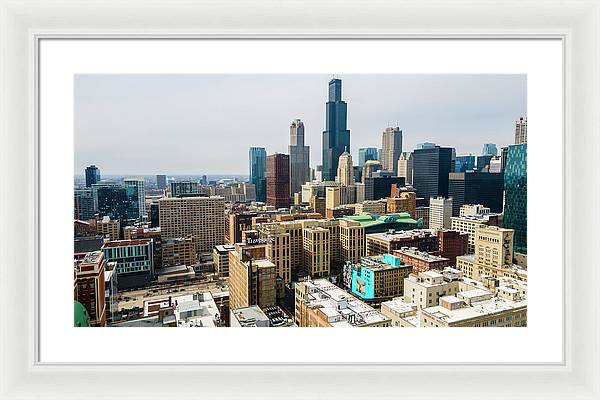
515	195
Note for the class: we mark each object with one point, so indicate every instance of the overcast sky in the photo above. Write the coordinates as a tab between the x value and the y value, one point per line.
204	124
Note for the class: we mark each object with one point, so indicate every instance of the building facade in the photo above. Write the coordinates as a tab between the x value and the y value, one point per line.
258	171
365	154
278	180
431	167
138	184
440	213
299	157
345	171
391	148
89	286
135	261
476	188
515	195
336	137
521	131
405	167
92	175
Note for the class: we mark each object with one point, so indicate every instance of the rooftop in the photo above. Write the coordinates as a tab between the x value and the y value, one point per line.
121	243
251	316
367	220
392	235
421	255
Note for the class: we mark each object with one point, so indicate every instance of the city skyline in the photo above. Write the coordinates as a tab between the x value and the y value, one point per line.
157	116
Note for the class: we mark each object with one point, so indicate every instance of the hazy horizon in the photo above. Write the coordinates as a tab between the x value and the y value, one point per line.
204	124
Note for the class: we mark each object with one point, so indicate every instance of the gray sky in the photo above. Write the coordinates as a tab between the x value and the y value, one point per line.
204	124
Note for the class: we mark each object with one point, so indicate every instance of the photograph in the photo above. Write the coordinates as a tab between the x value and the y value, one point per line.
300	200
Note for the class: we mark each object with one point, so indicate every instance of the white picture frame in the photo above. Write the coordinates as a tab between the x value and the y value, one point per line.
24	23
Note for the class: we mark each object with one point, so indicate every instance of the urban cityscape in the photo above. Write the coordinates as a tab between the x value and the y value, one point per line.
426	236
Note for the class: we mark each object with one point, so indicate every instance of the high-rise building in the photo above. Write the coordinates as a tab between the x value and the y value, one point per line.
515	195
521	131
476	188
278	180
483	163
251	277
345	170
426	145
107	227
391	147
464	163
161	181
469	223
135	261
365	154
489	149
199	217
92	175
180	188
336	137
380	187
299	157
84	204
178	251
258	171
494	246
405	167
89	286
369	168
316	251
116	201
431	167
138	184
440	213
403	202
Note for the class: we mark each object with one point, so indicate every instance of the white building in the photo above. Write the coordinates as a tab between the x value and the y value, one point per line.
440	213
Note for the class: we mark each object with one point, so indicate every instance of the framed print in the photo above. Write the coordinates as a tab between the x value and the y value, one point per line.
415	168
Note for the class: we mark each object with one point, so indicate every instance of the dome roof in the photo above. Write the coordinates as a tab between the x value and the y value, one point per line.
81	316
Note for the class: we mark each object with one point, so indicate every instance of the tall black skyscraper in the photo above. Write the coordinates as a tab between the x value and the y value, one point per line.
431	167
92	175
336	137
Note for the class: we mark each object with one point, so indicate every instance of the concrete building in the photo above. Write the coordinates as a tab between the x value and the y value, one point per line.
177	273
420	260
391	148
320	303
278	180
371	207
251	277
424	289
404	202
440	213
376	278
221	259
387	242
299	157
236	223
110	228
199	217
178	251
135	261
316	251
478	308
452	244
248	317
405	167
345	170
369	168
473	210
89	286
521	131
469	223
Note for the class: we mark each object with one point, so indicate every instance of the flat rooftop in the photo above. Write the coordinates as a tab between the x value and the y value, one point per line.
420	255
476	310
399	235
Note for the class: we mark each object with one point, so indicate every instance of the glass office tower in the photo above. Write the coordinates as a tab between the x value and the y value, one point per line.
336	137
258	171
515	195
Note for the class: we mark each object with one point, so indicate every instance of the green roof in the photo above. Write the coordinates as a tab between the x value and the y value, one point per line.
82	318
367	220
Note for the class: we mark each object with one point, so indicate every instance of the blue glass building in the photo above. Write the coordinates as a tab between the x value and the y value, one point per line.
515	195
258	171
367	153
92	175
464	163
336	137
489	149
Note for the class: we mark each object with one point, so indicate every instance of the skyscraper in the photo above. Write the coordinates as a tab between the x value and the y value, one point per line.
476	188
92	175
84	201
258	171
464	163
431	167
117	202
489	149
345	171
161	181
521	130
515	195
138	183
278	180
299	157
336	137
367	153
369	168
440	213
405	167
391	147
